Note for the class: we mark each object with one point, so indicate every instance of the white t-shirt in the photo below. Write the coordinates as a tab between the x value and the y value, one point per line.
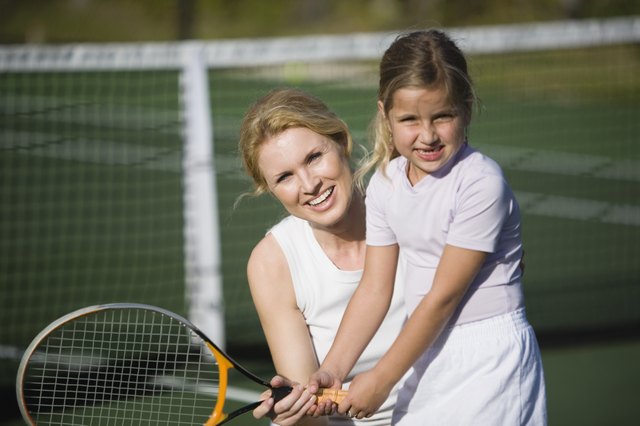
466	204
322	294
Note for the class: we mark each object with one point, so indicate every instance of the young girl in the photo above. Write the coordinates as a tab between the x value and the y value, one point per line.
304	271
471	355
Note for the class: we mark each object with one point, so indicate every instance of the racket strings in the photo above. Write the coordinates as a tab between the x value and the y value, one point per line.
121	367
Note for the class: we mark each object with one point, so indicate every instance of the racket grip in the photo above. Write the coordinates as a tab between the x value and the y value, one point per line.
335	395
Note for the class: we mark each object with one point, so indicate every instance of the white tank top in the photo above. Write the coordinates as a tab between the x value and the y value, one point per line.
322	293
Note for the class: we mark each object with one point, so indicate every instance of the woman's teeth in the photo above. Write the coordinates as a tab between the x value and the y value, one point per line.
322	197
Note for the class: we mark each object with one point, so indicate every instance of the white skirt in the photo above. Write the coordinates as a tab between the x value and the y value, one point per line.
486	372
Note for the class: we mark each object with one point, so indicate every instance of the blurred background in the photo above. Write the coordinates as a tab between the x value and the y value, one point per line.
67	21
112	189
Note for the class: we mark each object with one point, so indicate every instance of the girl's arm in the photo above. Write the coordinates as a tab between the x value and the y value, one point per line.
365	312
286	332
456	270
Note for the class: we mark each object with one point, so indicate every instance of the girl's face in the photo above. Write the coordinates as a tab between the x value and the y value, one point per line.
426	129
309	174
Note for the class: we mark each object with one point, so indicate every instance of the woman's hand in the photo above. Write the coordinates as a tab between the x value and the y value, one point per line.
289	410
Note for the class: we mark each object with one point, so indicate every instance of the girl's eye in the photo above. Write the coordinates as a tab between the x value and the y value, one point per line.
444	117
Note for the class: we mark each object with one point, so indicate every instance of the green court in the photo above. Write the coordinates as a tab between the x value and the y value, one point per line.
91	202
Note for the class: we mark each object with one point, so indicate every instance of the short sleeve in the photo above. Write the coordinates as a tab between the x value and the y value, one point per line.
481	209
378	196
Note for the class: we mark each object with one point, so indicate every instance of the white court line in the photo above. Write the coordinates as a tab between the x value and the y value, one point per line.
560	163
233	393
105	152
577	209
86	112
10	352
563	163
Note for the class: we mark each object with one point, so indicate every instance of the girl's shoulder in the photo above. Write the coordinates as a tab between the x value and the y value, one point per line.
392	172
476	164
481	176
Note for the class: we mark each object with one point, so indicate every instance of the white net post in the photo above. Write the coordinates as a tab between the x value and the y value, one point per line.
202	235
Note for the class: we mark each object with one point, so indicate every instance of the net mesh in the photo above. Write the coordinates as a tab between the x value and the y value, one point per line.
91	167
90	196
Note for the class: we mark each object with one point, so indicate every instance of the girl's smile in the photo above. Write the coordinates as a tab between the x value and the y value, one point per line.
426	129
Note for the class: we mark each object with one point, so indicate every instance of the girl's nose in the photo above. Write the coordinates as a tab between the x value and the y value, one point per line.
428	134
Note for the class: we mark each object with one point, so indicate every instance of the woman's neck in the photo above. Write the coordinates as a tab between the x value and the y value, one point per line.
344	242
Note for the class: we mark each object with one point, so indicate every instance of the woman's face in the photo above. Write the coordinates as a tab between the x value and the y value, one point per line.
426	129
309	174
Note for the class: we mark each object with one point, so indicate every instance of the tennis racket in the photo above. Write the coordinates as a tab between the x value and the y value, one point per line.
127	363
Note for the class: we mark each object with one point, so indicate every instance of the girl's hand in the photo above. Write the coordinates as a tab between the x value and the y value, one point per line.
323	379
289	410
367	392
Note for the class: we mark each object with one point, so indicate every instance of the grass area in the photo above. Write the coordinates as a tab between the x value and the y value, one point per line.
91	199
594	385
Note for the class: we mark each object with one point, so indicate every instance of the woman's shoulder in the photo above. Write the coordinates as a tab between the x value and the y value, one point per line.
287	225
266	254
281	240
268	259
268	277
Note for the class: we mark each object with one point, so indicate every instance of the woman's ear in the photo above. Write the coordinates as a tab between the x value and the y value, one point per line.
381	110
383	116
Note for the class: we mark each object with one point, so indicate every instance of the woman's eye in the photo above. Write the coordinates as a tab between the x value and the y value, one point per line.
314	156
283	177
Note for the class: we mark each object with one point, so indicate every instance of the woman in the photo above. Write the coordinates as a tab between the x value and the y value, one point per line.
304	271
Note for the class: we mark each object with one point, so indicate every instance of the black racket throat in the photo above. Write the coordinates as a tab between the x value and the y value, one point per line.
276	393
280	393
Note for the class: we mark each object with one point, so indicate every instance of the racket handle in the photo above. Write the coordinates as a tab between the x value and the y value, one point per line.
335	395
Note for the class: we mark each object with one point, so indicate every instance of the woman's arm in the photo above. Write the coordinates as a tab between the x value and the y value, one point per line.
286	332
456	270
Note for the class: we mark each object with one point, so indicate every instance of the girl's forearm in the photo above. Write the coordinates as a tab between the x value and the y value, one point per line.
365	312
455	273
361	320
420	331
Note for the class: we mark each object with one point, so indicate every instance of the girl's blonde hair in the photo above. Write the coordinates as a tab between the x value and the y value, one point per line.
421	59
283	109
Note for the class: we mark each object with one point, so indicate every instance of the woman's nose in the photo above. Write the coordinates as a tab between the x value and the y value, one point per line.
310	183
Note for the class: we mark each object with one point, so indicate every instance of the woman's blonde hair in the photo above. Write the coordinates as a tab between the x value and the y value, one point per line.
421	59
283	109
